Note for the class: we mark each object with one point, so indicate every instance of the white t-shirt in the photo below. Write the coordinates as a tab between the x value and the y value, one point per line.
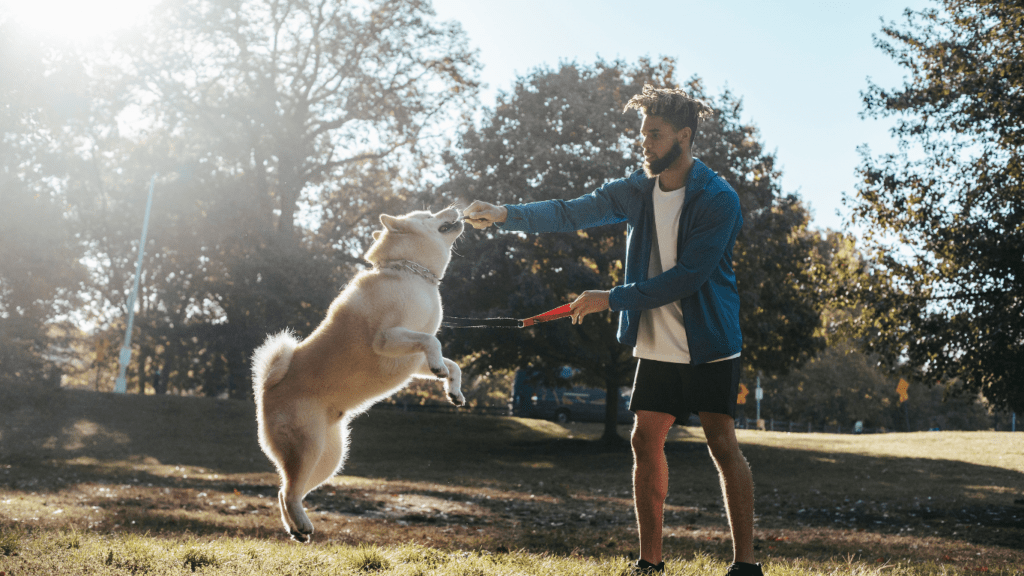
661	334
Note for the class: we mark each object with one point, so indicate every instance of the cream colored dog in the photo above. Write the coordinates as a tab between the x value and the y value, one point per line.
378	333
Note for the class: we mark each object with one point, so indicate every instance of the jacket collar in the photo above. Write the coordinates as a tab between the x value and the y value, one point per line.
699	176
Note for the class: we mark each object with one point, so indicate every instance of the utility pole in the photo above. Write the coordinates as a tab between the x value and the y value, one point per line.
120	385
901	388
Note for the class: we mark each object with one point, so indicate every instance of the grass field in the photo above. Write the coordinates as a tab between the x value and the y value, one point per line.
105	484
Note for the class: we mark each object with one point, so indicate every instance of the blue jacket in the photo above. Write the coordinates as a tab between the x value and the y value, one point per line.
702	280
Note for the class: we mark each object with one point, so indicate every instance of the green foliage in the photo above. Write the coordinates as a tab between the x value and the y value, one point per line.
945	212
39	268
843	385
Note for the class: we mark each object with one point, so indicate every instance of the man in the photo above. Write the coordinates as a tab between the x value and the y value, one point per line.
678	307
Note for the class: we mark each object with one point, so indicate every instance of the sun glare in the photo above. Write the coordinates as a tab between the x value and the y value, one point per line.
75	19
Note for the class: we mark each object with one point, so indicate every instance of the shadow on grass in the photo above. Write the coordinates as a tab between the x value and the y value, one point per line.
497	479
63	424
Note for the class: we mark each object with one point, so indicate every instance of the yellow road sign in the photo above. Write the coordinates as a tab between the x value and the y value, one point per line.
902	389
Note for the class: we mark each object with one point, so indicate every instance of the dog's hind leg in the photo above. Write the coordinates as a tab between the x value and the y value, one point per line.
300	450
332	456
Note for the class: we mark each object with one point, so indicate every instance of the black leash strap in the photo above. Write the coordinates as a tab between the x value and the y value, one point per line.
560	312
452	322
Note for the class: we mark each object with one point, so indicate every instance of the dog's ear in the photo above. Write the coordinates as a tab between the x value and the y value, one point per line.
376	234
391	223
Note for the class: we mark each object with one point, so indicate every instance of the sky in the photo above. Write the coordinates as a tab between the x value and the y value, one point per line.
76	19
799	67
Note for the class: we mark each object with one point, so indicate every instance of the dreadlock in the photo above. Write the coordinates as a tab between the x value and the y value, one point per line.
674	106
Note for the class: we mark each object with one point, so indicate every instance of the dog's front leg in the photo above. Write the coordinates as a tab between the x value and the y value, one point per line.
398	341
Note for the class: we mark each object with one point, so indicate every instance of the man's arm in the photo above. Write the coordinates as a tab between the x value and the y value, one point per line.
608	204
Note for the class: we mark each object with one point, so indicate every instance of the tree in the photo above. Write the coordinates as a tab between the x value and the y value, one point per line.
282	128
843	385
944	213
39	266
839	387
299	94
560	134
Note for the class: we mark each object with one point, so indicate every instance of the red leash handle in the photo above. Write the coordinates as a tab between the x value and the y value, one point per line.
560	312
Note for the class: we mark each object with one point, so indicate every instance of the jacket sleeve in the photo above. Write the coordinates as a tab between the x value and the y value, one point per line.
714	230
606	205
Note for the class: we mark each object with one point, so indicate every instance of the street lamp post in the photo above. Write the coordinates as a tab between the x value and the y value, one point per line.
120	385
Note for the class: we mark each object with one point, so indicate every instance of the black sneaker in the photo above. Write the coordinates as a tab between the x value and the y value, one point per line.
643	568
744	569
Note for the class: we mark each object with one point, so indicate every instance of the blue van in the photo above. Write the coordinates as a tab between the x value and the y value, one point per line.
535	397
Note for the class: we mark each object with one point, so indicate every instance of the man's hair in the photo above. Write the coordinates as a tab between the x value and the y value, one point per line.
674	106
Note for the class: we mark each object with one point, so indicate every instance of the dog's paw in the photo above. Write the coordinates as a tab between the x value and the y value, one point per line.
440	371
457	398
300	537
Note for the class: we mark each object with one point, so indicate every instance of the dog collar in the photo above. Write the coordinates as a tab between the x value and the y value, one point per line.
410	266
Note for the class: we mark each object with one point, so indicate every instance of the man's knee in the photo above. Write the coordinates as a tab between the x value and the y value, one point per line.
724	446
648	437
645	444
720	435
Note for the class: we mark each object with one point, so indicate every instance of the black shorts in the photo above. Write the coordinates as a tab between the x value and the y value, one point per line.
682	389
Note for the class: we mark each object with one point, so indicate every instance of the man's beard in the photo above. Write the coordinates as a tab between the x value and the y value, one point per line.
659	165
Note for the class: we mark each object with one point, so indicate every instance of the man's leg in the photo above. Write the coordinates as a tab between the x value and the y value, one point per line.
737	482
650	479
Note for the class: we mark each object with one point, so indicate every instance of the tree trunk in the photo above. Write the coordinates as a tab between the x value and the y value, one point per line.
611	412
144	358
289	188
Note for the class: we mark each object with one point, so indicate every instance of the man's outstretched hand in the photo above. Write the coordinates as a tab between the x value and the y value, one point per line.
480	215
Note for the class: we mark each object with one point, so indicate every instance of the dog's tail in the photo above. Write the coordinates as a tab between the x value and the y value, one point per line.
271	360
